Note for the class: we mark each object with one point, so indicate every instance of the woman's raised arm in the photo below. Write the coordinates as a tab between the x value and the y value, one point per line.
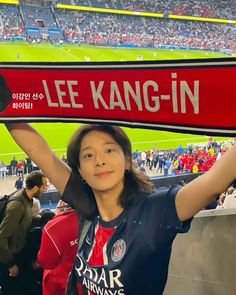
198	193
38	150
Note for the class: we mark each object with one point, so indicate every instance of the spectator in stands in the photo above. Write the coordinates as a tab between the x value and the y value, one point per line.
19	183
135	154
161	162
220	202
13	230
154	160
3	170
29	167
230	198
20	169
144	157
176	165
138	160
36	207
13	165
58	249
148	158
142	169
167	165
179	149
195	168
125	211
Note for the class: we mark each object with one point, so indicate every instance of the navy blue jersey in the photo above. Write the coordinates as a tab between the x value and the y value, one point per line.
138	252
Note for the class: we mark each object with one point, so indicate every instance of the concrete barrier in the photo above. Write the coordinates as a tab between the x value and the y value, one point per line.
51	196
203	261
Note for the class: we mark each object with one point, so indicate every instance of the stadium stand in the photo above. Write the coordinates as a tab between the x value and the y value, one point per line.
38	3
11	25
106	4
83	3
205	8
69	22
68	2
121	30
57	25
38	17
114	4
40	23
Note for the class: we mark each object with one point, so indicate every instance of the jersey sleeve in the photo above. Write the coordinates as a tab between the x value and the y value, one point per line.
162	212
72	190
172	220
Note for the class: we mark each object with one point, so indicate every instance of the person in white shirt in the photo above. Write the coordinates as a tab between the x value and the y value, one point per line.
230	201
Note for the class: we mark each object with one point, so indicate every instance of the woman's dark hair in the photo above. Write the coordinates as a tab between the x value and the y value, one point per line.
134	180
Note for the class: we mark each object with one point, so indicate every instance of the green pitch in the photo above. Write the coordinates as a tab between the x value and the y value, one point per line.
21	51
58	134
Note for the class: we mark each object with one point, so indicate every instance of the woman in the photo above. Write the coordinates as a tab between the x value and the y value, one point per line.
128	245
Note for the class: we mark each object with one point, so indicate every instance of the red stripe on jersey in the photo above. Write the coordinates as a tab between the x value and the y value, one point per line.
98	252
98	256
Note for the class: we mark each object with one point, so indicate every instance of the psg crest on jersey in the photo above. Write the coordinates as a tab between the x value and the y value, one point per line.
118	250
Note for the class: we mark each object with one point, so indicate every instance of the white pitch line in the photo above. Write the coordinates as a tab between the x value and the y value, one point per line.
23	153
166	140
72	55
8	154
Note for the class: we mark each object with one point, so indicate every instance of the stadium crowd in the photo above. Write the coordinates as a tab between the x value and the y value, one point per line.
192	159
205	8
113	29
10	22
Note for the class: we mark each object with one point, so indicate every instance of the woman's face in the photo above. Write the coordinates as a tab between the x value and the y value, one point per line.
102	163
